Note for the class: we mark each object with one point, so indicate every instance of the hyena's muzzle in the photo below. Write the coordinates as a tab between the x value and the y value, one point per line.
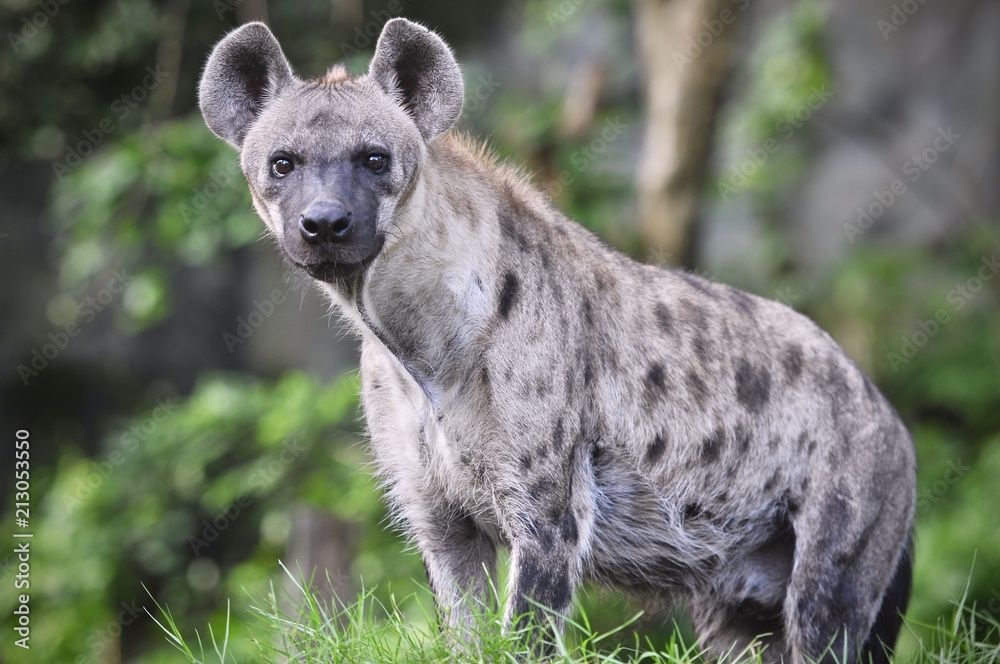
331	230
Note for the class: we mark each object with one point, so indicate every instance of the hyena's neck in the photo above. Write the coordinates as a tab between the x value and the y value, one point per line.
429	300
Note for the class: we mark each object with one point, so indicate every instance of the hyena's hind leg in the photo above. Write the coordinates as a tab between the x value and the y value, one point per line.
851	578
742	615
889	620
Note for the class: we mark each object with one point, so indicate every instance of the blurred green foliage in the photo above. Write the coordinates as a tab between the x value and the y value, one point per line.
153	202
192	499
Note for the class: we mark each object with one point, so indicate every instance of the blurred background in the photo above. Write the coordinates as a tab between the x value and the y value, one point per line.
192	406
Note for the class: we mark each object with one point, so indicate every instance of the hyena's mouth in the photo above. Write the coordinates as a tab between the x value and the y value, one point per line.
332	270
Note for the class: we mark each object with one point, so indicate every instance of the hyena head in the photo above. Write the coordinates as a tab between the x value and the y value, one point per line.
330	161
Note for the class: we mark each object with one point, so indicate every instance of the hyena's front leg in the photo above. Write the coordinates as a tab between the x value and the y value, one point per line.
459	557
460	560
549	544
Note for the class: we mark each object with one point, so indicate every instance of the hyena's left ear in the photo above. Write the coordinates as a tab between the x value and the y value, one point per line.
415	64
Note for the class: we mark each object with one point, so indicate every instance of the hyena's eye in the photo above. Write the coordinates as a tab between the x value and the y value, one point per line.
281	166
376	163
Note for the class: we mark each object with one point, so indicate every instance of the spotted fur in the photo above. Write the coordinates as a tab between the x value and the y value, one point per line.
525	386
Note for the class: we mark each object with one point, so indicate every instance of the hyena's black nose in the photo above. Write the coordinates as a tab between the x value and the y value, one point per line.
325	222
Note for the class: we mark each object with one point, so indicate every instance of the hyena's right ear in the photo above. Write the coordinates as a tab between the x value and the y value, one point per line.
246	69
413	63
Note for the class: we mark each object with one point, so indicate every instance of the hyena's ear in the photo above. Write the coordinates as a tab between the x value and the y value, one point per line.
246	69
415	64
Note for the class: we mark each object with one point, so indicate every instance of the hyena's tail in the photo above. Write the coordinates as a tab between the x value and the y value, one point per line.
882	637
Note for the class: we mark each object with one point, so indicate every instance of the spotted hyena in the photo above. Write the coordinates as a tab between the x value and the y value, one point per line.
526	386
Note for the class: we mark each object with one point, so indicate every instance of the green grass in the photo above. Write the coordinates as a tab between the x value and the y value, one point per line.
367	630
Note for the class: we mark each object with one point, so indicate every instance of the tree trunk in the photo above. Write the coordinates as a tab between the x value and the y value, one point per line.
683	45
322	547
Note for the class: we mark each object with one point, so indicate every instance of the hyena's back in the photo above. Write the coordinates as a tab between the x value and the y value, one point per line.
739	455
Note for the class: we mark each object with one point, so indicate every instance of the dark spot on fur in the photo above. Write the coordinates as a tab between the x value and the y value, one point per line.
702	348
557	291
588	372
540	489
543	254
608	356
743	439
697	317
792	361
542	451
655	383
753	386
837	387
558	435
588	312
698	283
508	294
656	449
546	586
800	445
771	482
722	498
465	458
742	300
655	378
604	280
773	444
510	230
526	462
711	446
376	385
568	529
664	319
692	510
697	388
